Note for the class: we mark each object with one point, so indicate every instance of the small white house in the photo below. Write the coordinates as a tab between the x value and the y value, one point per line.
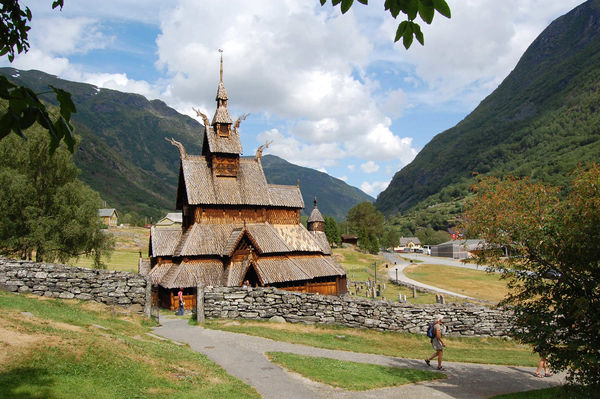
172	219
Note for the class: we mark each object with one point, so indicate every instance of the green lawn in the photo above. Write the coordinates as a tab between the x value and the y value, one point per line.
121	259
562	392
343	374
70	349
413	346
474	283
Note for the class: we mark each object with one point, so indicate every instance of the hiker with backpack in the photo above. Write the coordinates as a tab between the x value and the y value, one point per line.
435	333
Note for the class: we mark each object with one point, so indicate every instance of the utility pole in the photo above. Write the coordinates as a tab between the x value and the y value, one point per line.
375	284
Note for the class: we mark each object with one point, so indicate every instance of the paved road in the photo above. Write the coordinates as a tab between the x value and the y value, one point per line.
397	271
244	357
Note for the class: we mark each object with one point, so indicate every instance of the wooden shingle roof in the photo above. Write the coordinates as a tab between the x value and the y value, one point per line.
249	188
297	238
188	274
224	145
321	239
164	241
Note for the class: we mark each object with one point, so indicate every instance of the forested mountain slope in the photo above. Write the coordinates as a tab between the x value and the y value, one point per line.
124	156
540	122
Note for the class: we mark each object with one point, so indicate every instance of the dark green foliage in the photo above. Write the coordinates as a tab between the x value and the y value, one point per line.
540	122
429	236
391	237
43	207
367	223
335	196
406	29
554	267
332	230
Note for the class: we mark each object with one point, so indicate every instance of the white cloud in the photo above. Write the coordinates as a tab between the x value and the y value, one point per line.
316	156
394	103
351	167
343	178
369	167
375	187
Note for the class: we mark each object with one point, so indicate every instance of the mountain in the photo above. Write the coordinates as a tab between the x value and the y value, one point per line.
124	156
334	196
540	122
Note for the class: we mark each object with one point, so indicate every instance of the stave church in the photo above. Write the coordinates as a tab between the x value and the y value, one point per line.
236	228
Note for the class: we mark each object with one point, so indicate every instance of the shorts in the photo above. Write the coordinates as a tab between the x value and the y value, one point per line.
437	345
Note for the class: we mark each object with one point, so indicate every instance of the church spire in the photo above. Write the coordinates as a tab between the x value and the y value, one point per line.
222	120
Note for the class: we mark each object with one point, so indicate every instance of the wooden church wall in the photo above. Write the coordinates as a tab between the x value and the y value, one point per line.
248	214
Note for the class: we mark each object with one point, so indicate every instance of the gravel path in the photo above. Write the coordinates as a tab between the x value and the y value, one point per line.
244	357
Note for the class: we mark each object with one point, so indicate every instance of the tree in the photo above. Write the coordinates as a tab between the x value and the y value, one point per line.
44	209
23	107
553	267
391	238
429	236
332	231
367	223
407	30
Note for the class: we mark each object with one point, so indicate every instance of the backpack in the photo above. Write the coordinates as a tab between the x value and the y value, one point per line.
430	330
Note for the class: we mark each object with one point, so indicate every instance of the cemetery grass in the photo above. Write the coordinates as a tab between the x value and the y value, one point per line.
359	268
486	350
51	348
474	283
343	374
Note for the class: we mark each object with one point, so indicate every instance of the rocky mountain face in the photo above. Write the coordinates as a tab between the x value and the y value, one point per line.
540	122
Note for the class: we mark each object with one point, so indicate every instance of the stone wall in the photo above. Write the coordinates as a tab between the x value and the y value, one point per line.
252	303
60	281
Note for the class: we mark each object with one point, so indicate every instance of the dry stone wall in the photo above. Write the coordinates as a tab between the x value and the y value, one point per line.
66	282
253	303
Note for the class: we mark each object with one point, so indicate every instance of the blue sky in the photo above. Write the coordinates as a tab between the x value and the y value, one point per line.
331	92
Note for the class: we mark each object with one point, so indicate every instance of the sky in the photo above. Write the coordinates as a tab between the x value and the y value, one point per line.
332	92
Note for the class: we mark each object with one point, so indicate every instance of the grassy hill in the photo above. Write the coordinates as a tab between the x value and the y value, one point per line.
124	156
69	349
540	122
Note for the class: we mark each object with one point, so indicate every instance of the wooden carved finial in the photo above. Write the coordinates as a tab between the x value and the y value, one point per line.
204	117
239	121
221	51
182	153
298	183
315	201
260	149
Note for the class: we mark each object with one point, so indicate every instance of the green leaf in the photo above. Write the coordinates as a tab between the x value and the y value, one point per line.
442	7
336	2
393	6
419	34
426	12
407	38
365	2
346	4
400	31
411	9
323	2
67	107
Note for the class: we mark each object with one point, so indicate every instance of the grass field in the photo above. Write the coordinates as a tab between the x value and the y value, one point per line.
563	392
51	348
343	374
413	346
359	267
474	283
120	259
